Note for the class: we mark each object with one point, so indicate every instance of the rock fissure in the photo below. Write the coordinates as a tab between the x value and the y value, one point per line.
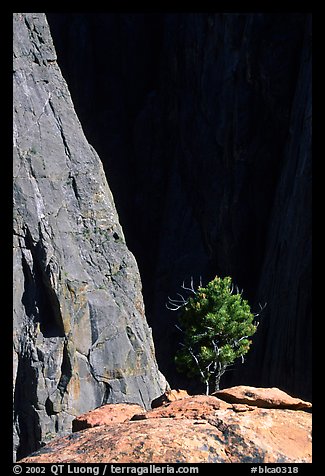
60	127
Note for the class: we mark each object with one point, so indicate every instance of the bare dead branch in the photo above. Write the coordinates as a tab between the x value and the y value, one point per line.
215	347
256	314
244	337
178	301
185	301
204	377
175	304
191	289
175	308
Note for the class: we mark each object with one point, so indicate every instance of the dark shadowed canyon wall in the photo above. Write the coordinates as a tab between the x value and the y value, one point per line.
210	116
203	124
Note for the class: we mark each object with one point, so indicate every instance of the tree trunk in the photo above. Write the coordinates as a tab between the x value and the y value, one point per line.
217	382
218	375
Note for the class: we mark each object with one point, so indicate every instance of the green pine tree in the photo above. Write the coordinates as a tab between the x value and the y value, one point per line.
216	324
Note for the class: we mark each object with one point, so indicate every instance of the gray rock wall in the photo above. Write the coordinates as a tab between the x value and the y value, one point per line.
81	338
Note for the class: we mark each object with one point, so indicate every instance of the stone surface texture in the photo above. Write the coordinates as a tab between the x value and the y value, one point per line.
169	396
262	397
106	414
196	429
81	338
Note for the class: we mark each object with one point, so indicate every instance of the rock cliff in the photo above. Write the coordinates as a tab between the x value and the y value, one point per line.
81	338
210	114
195	429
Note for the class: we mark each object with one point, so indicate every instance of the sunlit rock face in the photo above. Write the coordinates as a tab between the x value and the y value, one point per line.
81	338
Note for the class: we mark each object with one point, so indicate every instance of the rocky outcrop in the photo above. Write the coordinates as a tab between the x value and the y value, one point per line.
81	338
106	414
210	114
169	396
195	429
262	397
